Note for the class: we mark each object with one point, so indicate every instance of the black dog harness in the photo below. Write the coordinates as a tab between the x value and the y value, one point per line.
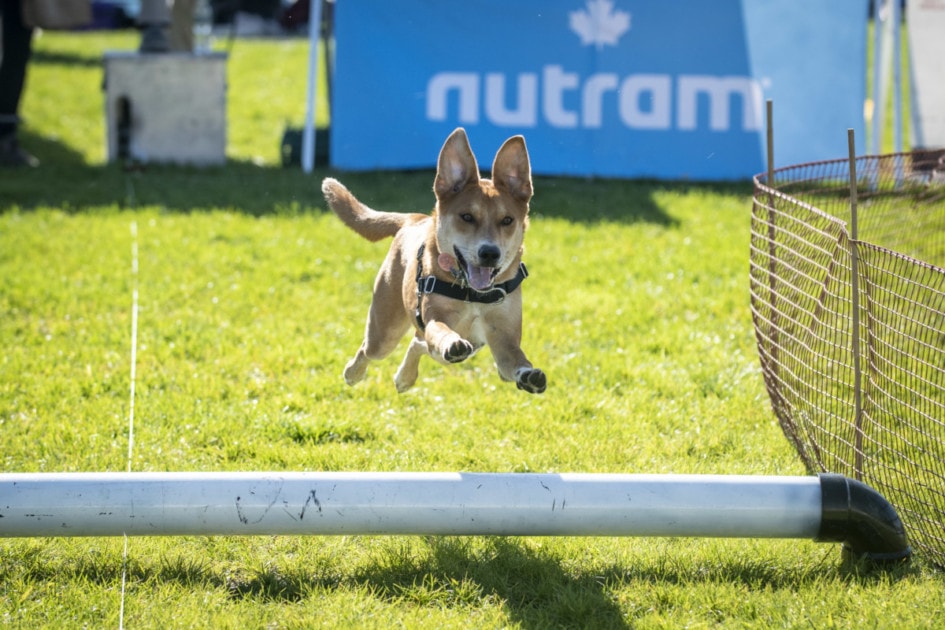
431	284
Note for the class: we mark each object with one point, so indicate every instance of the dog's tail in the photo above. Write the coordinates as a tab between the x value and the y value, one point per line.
371	224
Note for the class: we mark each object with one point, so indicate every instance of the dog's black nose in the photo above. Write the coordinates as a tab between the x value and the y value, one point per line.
489	255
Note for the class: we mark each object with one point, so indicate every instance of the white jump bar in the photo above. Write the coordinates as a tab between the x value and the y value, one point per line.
323	503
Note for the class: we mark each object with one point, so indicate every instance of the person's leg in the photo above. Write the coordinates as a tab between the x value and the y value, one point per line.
17	43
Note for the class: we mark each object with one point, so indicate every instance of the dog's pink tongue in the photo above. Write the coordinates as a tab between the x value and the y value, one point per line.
480	278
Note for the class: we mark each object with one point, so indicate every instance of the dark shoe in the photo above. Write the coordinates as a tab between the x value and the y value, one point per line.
12	155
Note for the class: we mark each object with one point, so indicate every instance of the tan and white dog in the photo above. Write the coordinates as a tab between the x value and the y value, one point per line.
454	275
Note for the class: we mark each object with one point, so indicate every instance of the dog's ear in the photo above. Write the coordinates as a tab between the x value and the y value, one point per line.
456	167
512	170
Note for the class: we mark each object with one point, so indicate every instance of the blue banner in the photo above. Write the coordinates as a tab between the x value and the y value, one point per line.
673	89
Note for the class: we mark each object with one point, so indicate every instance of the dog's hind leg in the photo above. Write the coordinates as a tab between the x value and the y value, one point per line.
386	324
406	374
372	348
356	367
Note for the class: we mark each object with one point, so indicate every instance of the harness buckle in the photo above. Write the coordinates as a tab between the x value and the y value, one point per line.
427	285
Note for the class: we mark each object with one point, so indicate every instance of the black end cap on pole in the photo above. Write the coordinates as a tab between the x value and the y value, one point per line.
862	519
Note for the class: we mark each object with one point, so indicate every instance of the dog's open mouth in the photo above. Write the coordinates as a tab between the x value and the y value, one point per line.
478	278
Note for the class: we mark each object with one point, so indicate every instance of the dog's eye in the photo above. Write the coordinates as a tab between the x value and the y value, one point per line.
508	221
468	218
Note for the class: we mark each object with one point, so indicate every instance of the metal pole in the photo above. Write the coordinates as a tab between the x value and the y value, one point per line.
876	113
774	331
855	297
308	130
896	77
161	504
769	117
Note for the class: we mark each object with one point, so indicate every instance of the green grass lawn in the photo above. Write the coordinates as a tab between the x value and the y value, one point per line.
252	299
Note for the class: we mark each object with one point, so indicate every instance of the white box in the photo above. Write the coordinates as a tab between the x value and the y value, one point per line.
166	107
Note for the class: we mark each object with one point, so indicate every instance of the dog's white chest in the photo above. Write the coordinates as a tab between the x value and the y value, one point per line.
475	325
478	334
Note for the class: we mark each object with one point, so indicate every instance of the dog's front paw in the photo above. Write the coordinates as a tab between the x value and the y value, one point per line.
531	380
459	350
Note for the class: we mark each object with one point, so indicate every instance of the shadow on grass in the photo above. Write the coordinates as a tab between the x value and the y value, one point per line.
760	573
49	57
532	587
66	182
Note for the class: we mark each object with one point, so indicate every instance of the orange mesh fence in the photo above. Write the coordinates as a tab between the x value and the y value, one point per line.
859	395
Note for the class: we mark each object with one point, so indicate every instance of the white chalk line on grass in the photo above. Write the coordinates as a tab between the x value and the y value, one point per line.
131	402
